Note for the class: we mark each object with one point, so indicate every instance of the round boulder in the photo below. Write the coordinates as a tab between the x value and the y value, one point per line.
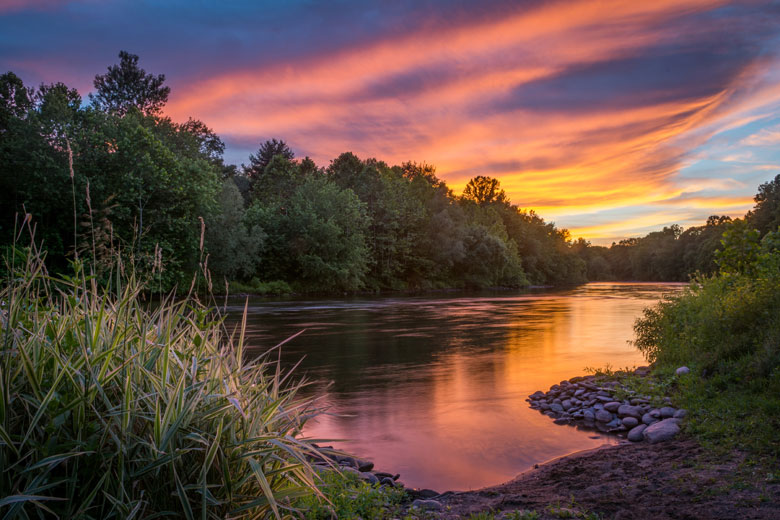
661	431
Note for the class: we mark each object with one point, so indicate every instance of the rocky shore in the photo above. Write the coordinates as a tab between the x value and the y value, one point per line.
655	473
609	406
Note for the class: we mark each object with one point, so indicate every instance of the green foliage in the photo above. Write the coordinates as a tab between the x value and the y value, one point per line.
316	238
255	286
110	408
349	497
726	328
234	247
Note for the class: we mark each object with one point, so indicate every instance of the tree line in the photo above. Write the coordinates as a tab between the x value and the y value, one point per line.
675	254
112	175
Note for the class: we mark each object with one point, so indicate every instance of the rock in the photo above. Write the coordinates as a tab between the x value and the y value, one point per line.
612	406
387	481
630	422
566	404
537	395
626	410
579	392
603	416
348	461
382	474
661	431
682	371
667	412
556	407
431	505
635	435
350	469
642	371
544	406
562	420
588	415
680	414
365	465
649	419
423	493
370	478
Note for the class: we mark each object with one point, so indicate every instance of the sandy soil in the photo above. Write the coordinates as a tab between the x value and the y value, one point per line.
675	479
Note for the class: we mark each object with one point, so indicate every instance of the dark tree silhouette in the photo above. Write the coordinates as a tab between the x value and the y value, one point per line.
485	190
267	151
127	85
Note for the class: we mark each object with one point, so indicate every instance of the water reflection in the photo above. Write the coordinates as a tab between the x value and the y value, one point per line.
435	388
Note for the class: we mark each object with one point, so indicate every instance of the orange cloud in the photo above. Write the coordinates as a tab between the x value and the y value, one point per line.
454	97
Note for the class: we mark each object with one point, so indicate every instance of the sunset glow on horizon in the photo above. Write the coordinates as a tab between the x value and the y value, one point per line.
610	118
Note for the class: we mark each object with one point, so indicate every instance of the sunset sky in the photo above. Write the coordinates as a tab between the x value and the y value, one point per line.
611	119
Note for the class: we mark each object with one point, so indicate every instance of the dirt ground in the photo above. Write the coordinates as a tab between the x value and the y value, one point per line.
675	479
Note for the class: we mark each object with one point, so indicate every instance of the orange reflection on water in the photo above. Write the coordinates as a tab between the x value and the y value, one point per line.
435	389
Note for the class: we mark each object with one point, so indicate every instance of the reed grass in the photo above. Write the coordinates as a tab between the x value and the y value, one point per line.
112	407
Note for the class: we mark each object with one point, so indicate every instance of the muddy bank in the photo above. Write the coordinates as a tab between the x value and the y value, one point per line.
675	479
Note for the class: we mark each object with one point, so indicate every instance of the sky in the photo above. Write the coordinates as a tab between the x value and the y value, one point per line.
610	118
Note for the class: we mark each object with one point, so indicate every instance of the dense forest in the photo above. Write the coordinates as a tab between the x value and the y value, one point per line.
112	175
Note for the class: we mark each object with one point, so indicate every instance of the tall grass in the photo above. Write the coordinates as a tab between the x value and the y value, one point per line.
115	408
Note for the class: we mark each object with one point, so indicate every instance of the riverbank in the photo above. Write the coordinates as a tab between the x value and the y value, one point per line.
674	479
643	477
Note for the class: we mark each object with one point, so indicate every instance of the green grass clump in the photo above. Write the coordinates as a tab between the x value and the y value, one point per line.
350	497
113	408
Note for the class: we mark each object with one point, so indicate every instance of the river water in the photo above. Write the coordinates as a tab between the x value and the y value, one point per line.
434	387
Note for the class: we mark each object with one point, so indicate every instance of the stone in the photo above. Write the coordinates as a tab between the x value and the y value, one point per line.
667	412
579	392
544	406
635	435
603	416
566	404
626	410
649	419
682	371
537	395
680	414
630	422
588	415
562	420
369	477
387	481
612	406
423	493
661	431
365	465
556	407
430	505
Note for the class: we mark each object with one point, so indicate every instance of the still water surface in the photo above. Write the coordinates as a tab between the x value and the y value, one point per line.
434	387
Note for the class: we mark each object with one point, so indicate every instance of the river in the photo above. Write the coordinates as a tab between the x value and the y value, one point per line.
434	387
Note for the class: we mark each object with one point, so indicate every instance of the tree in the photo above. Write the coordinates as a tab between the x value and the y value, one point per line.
315	239
267	151
485	190
127	85
234	247
765	216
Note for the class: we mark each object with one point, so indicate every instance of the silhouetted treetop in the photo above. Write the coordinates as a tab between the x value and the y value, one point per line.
127	85
267	151
485	190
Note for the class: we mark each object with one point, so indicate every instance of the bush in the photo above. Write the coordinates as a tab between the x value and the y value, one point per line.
726	328
111	408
